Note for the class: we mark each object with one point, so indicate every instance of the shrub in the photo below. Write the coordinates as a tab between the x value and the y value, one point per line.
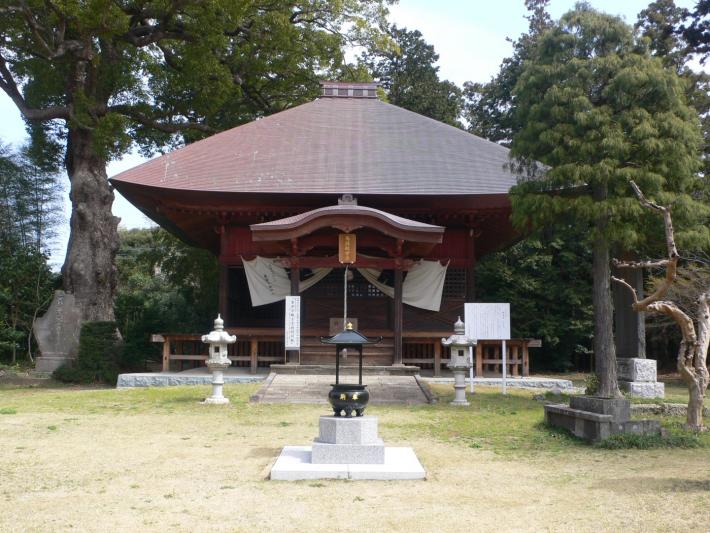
591	384
647	442
97	361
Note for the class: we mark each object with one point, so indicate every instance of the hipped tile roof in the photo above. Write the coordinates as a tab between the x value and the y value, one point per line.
335	145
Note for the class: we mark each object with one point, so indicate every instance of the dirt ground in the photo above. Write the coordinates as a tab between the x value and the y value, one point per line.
157	460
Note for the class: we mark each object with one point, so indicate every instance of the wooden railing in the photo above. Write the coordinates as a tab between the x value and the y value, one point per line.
425	350
257	347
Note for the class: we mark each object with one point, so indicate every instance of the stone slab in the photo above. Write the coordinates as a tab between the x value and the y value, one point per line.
340	430
325	453
57	332
294	463
513	382
643	389
635	369
618	408
167	379
306	388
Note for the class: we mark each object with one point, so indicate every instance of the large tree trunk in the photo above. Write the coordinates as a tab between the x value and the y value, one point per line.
604	349
89	270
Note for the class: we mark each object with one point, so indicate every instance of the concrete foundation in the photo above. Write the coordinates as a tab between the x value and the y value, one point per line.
294	463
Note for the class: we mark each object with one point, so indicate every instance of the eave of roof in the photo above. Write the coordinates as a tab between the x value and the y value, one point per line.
345	217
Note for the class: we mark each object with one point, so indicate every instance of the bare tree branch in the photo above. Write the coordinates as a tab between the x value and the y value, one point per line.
625	284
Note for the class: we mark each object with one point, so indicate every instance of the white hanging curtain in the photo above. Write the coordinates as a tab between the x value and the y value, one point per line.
422	287
268	281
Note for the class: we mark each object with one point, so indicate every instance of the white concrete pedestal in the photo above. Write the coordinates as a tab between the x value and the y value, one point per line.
347	448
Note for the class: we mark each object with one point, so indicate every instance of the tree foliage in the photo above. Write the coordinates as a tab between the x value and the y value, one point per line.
547	280
410	78
29	210
164	286
489	107
98	77
696	30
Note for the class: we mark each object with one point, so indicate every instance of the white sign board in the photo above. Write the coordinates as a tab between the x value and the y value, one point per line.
487	321
292	328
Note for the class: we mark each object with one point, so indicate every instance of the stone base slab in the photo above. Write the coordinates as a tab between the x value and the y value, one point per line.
643	389
294	463
635	369
340	430
595	427
49	363
168	379
359	454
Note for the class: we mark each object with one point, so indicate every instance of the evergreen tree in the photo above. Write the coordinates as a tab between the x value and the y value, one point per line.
598	110
410	78
696	30
489	107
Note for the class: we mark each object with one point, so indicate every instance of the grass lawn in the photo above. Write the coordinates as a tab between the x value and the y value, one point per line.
154	459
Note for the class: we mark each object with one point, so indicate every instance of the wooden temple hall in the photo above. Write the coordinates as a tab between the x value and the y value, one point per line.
271	198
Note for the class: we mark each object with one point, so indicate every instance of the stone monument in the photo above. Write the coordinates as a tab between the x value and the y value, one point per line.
57	333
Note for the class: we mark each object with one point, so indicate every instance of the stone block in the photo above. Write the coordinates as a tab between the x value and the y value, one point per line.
337	454
618	408
643	389
340	430
635	369
57	332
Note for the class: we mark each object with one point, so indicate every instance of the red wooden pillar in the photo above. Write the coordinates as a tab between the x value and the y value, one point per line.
224	292
471	267
398	311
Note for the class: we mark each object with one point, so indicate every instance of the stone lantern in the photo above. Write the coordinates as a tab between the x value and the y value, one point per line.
217	361
459	361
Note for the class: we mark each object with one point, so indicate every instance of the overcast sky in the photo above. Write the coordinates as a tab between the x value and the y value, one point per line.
469	36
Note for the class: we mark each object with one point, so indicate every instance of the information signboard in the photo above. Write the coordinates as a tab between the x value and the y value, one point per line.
292	327
489	322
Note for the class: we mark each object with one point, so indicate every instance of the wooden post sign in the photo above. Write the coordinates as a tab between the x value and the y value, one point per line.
489	322
292	329
347	248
